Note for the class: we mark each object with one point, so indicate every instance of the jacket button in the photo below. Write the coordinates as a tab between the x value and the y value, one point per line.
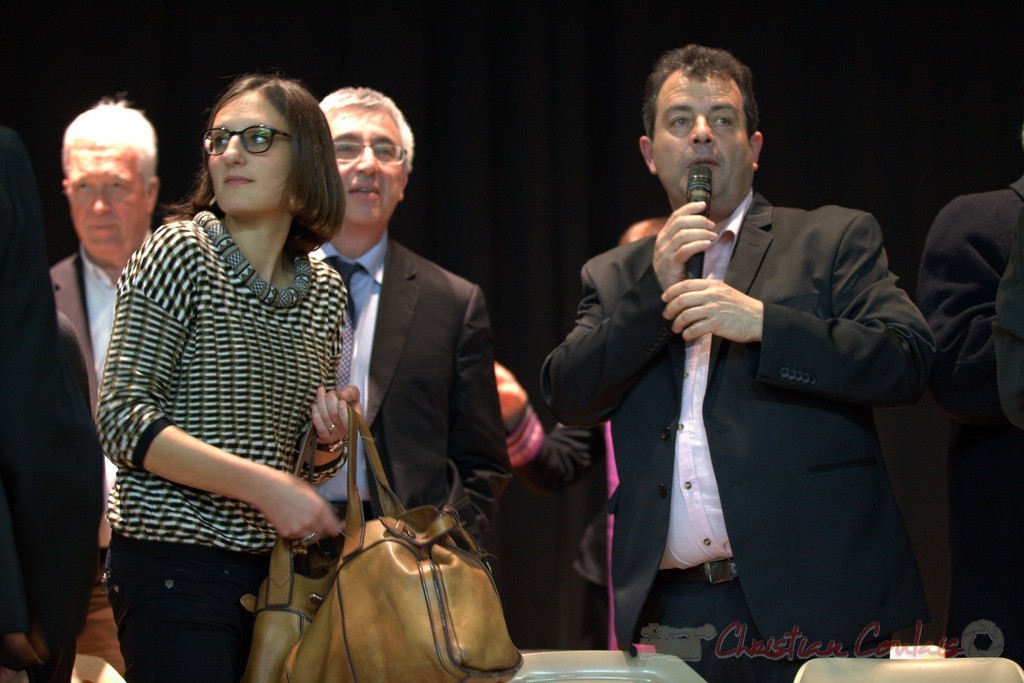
662	491
666	434
784	373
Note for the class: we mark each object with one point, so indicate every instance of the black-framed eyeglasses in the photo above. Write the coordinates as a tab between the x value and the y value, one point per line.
348	151
255	139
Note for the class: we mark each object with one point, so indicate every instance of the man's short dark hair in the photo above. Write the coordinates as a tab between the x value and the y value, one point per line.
701	63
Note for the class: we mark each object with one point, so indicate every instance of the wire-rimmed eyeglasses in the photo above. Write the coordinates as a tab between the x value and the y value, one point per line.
255	139
347	151
87	193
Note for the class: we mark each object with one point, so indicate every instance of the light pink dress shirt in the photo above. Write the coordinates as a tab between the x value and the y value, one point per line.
696	528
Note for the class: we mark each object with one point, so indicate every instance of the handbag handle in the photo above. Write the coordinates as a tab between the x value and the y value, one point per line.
444	523
389	501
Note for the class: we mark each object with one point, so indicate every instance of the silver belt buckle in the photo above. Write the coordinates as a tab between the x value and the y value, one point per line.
719	571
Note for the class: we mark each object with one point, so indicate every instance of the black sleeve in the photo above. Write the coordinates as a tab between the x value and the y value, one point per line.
51	467
71	350
565	456
1009	333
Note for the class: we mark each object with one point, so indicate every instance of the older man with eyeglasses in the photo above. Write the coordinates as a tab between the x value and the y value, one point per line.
421	350
109	159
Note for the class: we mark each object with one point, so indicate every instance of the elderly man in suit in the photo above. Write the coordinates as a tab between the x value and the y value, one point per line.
422	351
109	159
753	506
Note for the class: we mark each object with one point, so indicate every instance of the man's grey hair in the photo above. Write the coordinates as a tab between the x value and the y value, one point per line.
372	100
111	123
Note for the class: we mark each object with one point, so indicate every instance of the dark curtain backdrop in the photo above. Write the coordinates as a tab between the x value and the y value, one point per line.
526	117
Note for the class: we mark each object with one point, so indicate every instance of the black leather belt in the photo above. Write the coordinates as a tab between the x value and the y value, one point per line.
718	571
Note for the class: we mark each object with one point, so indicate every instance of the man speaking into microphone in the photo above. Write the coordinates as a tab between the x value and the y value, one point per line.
753	497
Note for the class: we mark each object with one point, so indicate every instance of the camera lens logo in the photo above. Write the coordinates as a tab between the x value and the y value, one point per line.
979	633
684	643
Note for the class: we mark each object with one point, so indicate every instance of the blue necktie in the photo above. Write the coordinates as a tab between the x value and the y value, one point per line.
348	330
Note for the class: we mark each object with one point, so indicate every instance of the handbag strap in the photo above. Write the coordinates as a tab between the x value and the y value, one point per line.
440	523
392	507
282	558
306	451
423	526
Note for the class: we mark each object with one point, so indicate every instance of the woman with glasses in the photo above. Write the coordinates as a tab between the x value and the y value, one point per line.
225	339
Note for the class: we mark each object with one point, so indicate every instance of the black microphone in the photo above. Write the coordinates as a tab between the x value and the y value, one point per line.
698	189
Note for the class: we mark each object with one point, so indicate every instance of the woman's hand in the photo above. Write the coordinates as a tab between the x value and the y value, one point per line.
290	504
329	412
296	510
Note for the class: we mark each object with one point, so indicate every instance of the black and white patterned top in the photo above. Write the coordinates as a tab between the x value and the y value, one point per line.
198	342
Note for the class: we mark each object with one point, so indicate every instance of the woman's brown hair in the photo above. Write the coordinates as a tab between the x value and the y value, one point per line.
313	180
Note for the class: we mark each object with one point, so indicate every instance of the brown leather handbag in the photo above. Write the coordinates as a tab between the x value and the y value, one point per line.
411	599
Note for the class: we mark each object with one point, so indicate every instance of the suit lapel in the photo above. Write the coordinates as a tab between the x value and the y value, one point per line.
69	294
677	352
398	296
754	239
640	262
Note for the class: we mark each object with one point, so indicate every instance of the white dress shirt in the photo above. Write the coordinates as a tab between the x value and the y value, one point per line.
100	301
696	530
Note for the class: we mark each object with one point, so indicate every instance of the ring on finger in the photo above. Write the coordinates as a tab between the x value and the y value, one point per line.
308	538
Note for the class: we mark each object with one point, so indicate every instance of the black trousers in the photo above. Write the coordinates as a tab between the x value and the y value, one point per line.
709	626
178	612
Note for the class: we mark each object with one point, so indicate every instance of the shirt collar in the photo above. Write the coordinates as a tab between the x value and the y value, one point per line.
372	261
94	272
735	221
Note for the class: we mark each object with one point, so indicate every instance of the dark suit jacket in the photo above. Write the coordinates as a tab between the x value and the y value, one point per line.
816	535
966	254
566	455
1010	331
50	459
69	293
432	402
